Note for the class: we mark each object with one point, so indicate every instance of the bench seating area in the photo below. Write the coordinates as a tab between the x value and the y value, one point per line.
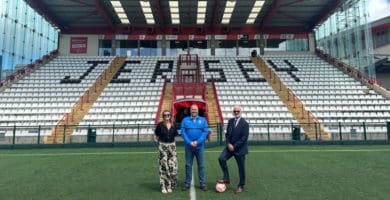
332	96
42	98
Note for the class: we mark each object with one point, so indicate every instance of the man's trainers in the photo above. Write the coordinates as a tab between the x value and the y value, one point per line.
185	188
204	188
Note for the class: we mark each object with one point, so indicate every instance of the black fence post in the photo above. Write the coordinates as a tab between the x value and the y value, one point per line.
13	135
113	134
219	132
137	132
341	134
364	131
39	134
63	138
268	135
388	131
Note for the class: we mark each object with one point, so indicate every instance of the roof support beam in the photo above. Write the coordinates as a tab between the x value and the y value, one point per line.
270	14
291	3
81	2
216	12
291	17
42	9
142	30
160	15
324	14
103	12
80	18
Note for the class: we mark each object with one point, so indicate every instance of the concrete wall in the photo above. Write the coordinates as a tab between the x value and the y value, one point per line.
385	93
383	49
312	45
384	77
92	45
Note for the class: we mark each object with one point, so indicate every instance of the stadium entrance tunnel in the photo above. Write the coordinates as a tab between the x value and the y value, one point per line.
181	109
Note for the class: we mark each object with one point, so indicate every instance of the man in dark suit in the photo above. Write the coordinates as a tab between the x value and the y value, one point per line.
236	145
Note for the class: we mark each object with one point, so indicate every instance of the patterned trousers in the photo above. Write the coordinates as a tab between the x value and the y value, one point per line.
168	165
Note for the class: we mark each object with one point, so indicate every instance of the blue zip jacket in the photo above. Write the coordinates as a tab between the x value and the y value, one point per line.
194	131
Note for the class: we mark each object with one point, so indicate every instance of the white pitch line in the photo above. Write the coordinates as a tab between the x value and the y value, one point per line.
152	152
77	154
192	189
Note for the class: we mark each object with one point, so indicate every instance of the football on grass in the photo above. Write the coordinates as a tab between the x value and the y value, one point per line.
220	187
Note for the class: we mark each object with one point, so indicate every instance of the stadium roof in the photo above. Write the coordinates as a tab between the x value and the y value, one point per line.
185	16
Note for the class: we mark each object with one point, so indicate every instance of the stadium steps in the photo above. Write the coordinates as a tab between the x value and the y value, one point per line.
312	128
212	111
71	120
167	100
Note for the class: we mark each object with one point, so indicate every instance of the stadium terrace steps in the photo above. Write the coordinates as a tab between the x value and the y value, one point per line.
212	108
167	100
312	128
65	127
212	111
345	105
239	82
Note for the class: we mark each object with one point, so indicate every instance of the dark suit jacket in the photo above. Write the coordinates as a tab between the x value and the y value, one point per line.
238	136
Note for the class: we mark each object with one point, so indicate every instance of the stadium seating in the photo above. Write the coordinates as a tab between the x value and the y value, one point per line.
134	103
42	98
240	83
331	95
130	101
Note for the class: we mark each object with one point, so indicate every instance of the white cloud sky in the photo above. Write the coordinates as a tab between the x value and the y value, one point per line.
378	9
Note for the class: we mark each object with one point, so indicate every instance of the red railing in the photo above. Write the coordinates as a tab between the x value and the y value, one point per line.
361	76
190	84
29	68
188	89
64	121
157	118
188	60
85	98
304	114
220	117
78	105
292	97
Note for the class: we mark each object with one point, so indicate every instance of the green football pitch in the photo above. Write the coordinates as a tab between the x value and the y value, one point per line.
273	172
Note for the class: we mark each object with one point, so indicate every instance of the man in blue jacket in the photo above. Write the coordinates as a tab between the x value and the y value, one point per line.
194	131
237	133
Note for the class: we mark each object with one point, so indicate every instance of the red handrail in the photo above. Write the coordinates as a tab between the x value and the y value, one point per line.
217	102
188	89
27	69
361	76
64	118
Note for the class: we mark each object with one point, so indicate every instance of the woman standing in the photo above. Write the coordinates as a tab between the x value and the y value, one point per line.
165	133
